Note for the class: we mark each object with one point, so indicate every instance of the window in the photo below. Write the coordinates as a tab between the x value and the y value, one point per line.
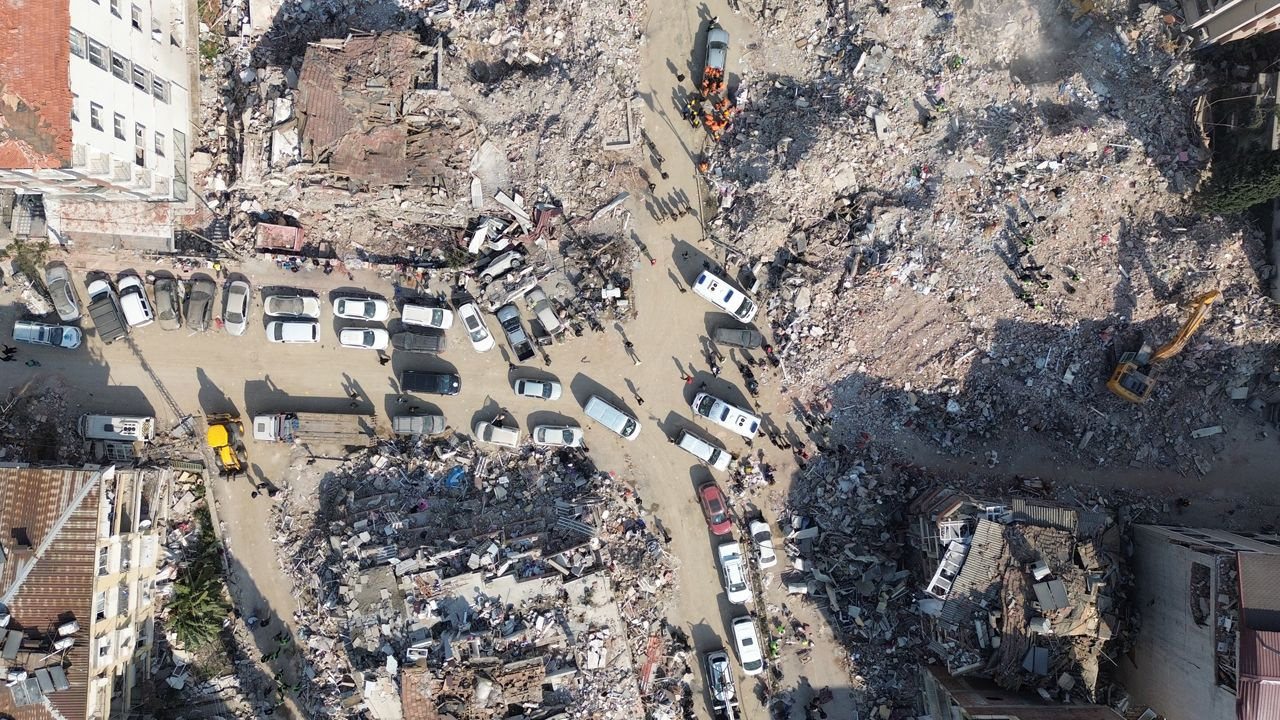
156	33
98	54
120	66
159	144
115	7
135	17
119	126
141	78
95	116
75	107
139	143
77	43
160	89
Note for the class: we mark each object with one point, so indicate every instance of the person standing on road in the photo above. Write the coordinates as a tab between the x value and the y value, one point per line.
630	347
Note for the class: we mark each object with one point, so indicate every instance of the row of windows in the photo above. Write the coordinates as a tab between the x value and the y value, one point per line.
103	58
135	19
118	127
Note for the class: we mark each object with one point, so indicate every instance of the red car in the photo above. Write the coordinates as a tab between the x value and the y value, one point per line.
714	506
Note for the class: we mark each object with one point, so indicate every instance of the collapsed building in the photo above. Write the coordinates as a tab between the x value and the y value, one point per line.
1026	593
440	582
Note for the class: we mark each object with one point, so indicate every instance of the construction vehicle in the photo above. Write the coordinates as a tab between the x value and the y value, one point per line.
1135	376
224	435
724	697
332	428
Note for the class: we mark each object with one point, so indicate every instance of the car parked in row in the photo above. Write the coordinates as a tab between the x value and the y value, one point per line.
168	305
235	309
415	425
747	642
557	436
363	338
762	539
432	383
541	389
62	336
715	508
509	319
733	571
292	306
358	308
487	432
708	453
726	415
416	342
720	293
133	301
293	331
199	304
477	332
428	317
104	309
611	417
57	279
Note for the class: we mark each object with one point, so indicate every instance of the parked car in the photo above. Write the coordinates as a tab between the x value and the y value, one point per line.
423	316
293	331
717	47
487	432
292	306
747	644
720	293
719	679
727	416
62	336
733	571
133	301
611	417
418	424
762	538
543	311
557	436
416	342
168	303
430	382
502	264
357	308
477	332
235	311
57	278
509	318
364	338
541	389
715	508
199	304
104	308
716	457
744	338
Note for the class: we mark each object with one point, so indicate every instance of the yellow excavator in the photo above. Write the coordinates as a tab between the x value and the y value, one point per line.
224	437
1135	376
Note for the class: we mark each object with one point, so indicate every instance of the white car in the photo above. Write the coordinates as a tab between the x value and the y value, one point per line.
729	417
293	332
63	336
734	573
354	308
477	332
292	306
487	432
762	538
134	302
557	436
747	643
541	389
364	338
428	317
501	265
235	311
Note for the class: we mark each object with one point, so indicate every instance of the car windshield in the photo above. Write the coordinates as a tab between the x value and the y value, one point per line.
704	407
745	308
762	537
753	665
279	331
566	435
437	317
629	427
546	390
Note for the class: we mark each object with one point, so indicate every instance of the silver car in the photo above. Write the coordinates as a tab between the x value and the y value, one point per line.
717	47
199	305
57	279
292	306
235	311
168	303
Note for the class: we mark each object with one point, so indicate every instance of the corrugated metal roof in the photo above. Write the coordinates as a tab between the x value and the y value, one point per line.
1084	523
1257	699
975	585
1260	590
61	582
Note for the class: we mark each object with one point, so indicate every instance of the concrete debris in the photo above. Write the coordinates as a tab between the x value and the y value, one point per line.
475	582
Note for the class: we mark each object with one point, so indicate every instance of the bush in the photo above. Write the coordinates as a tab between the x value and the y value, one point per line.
199	604
1254	180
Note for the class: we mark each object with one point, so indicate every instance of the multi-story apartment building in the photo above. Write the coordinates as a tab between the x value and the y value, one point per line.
79	550
97	98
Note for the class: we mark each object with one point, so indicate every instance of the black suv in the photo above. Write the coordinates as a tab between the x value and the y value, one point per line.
430	382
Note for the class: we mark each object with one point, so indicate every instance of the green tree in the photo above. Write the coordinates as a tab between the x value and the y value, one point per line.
198	607
28	255
1241	185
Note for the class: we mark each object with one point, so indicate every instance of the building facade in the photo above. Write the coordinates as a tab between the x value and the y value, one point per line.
1224	21
98	98
79	551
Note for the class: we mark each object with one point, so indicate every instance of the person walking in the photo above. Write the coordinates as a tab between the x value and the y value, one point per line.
630	347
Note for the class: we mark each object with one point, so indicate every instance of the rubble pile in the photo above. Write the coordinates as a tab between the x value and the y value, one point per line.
968	217
385	127
470	582
37	425
1031	594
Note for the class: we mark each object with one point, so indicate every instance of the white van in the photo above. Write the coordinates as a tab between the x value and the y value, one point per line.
704	451
720	293
612	418
487	432
63	336
118	428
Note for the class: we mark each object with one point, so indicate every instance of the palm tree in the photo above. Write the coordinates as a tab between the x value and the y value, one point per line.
198	606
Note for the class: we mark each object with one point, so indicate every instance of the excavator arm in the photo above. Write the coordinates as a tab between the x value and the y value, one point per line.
1199	310
1134	379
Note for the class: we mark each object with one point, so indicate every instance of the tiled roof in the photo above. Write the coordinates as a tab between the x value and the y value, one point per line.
35	89
61	583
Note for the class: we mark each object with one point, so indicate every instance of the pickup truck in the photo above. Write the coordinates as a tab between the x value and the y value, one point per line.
104	308
339	429
509	318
